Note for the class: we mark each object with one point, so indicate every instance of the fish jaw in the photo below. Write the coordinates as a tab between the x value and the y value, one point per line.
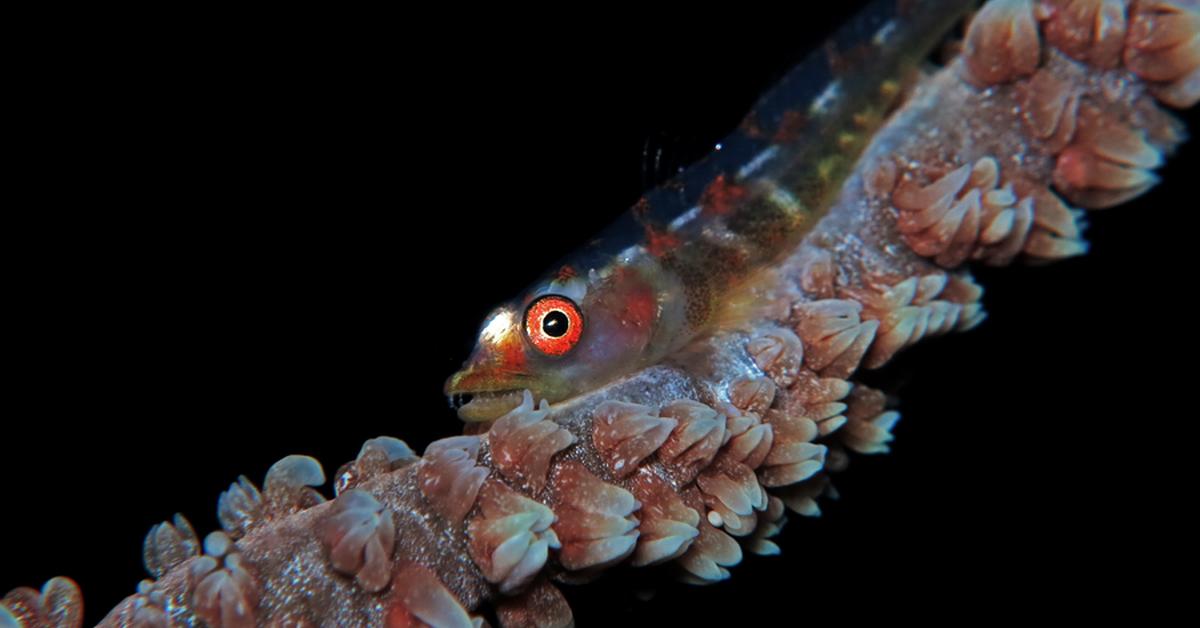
486	406
479	395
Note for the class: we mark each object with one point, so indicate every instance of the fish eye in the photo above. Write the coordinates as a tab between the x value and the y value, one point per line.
553	324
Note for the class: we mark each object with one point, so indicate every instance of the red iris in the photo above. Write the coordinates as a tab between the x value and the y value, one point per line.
553	324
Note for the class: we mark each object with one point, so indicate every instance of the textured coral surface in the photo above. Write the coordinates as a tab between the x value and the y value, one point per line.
696	462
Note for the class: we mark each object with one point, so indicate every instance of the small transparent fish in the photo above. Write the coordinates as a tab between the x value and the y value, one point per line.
677	265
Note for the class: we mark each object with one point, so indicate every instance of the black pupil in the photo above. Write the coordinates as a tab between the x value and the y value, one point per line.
555	324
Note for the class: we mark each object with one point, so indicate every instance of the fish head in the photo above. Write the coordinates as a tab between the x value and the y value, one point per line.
560	339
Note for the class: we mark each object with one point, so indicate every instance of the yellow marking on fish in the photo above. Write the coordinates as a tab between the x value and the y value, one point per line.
867	119
889	89
827	167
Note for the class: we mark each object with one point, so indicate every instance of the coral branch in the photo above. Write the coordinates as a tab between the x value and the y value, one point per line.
1053	106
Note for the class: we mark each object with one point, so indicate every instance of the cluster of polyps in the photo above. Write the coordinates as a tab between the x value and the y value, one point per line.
1052	104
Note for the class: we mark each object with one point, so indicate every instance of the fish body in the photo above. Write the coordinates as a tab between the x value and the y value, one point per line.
678	264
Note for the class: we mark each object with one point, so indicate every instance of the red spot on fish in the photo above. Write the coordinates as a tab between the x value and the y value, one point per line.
752	128
641	308
659	241
721	197
641	210
843	62
838	63
566	273
790	127
639	304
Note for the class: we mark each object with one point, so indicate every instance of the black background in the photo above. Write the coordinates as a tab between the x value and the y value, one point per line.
234	240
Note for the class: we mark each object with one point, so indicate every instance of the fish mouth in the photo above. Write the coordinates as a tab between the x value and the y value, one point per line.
485	405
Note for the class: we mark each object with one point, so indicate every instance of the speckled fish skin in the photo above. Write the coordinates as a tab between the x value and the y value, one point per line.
1051	108
666	272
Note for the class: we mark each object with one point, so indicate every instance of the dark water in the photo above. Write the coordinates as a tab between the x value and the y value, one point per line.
270	244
